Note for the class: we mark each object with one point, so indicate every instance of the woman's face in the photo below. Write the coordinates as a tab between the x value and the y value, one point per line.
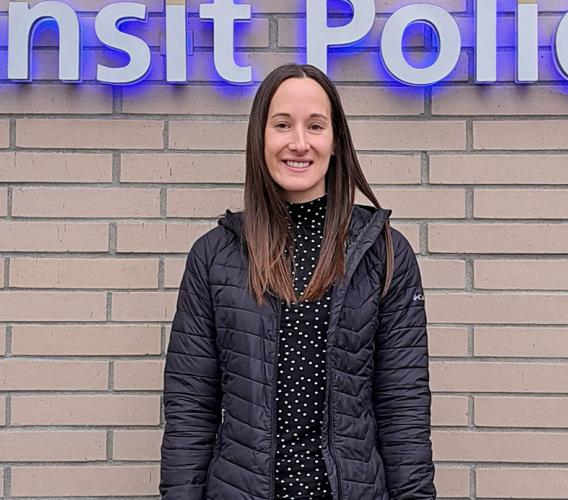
298	139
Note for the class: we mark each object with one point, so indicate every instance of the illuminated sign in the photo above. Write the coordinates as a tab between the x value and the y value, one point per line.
223	14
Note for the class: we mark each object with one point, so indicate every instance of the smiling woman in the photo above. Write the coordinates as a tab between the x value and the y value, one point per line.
297	366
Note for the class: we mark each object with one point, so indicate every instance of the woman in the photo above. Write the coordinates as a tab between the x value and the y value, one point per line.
298	364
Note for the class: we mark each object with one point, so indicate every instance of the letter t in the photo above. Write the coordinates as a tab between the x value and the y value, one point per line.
224	13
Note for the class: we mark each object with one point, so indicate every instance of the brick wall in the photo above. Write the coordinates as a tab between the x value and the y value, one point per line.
103	190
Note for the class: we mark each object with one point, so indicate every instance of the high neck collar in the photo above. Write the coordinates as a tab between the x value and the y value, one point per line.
308	213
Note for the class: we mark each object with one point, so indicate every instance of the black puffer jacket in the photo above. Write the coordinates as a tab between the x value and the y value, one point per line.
220	375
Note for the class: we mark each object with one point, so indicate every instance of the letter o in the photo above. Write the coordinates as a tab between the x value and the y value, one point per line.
449	42
561	47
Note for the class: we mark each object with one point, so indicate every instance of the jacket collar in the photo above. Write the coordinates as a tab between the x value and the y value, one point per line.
366	221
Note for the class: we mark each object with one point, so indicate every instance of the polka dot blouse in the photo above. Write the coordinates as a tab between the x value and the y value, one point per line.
300	469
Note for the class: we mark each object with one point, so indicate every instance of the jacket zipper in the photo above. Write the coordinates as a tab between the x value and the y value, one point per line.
272	493
330	420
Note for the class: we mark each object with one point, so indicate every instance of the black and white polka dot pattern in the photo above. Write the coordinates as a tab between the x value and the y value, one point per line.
300	468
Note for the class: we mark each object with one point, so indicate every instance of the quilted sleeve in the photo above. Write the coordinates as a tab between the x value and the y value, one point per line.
192	393
401	382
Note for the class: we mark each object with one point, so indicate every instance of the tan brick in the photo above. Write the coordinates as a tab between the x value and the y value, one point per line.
2	412
343	67
86	340
139	375
1	479
4	133
521	412
407	135
379	101
382	7
543	5
203	202
64	409
173	272
387	6
449	410
53	237
252	34
248	34
52	306
518	135
157	237
2	284
506	34
420	203
136	445
3	202
56	99
55	167
366	67
498	376
202	134
2	340
83	273
521	274
410	231
521	342
183	168
202	65
498	169
452	482
34	374
53	446
498	100
291	34
85	202
95	134
521	482
446	341
63	481
46	62
521	203
171	99
498	238
485	446
496	308
143	306
391	169
442	273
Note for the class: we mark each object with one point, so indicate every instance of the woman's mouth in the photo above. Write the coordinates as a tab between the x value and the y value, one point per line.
297	165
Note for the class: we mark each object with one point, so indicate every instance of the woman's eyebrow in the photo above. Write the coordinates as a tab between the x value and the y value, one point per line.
313	115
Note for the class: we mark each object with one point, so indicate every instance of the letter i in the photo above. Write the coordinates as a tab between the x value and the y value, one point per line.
176	41
527	41
485	41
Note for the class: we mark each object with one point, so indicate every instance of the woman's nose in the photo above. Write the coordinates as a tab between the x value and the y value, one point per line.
300	143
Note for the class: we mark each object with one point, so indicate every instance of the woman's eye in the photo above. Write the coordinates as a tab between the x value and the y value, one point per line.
316	126
281	125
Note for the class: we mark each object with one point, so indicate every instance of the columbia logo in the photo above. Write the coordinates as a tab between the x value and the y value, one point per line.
418	296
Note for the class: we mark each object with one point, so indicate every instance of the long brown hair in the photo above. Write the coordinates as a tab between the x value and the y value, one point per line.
266	216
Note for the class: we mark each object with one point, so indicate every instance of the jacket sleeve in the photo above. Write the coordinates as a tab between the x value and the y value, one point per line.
192	393
401	381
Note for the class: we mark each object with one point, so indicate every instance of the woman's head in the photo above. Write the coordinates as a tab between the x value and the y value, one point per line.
298	148
296	115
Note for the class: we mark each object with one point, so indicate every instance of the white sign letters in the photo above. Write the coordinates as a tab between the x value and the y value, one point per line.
223	14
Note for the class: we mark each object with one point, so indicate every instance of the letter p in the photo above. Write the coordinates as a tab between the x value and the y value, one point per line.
320	36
